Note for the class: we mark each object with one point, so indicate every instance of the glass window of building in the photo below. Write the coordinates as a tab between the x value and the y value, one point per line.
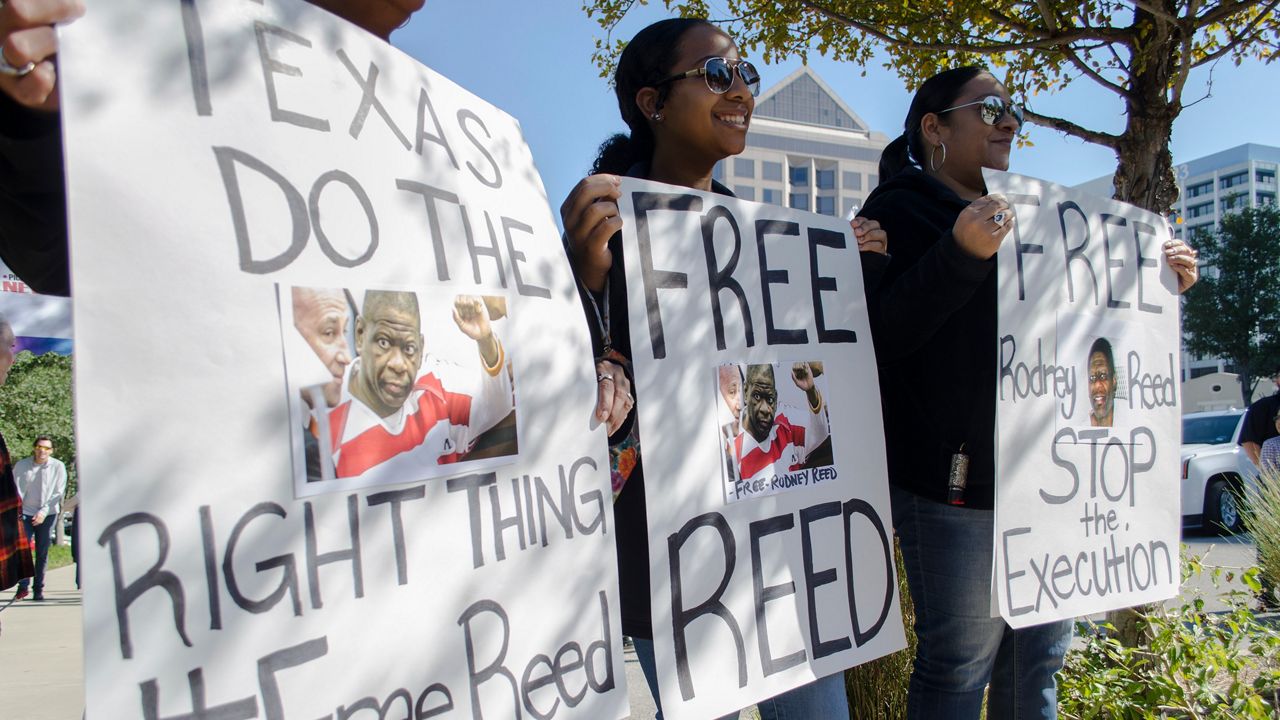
852	205
872	180
1200	189
1229	181
1266	176
746	192
717	172
852	180
826	205
770	195
744	168
1266	198
771	170
800	201
825	179
800	175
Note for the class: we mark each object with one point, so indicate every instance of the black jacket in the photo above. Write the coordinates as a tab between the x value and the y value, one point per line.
33	200
933	317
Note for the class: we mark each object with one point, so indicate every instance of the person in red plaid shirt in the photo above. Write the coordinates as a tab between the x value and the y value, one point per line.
15	547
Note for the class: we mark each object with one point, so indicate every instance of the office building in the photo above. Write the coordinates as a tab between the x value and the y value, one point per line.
1208	188
806	149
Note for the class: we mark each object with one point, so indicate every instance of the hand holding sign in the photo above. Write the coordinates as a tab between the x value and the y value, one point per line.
28	44
870	236
976	230
590	216
614	400
1182	258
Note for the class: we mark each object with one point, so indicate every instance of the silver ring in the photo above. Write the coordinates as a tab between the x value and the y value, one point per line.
602	377
11	71
998	218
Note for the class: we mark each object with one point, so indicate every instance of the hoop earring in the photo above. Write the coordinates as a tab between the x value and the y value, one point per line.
933	153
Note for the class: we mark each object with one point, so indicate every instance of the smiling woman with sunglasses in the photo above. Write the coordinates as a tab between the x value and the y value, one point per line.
687	98
937	301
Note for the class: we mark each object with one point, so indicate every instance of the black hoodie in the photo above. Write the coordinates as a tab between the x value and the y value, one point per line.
933	318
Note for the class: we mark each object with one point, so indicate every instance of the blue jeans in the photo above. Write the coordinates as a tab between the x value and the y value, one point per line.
822	699
947	553
41	535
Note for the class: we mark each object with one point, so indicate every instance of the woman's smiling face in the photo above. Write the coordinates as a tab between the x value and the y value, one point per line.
696	120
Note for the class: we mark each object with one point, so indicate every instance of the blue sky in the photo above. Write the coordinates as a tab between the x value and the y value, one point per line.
533	60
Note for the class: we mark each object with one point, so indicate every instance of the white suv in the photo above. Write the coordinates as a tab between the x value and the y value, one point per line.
1214	470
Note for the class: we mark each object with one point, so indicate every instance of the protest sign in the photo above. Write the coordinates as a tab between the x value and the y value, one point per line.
1088	407
339	261
770	539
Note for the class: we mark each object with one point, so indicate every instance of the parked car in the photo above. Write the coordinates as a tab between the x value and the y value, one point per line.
1214	470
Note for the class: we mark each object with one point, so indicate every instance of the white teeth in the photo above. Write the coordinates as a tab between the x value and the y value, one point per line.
733	119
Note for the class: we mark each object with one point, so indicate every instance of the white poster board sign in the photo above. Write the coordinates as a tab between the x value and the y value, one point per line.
770	535
306	212
1088	407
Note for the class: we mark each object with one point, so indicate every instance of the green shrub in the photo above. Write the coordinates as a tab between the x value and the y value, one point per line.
1261	509
1196	665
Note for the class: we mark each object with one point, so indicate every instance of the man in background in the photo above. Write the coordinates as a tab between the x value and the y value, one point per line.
1259	424
42	481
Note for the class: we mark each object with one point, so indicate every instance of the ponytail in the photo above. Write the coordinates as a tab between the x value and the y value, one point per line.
617	154
645	62
895	158
935	95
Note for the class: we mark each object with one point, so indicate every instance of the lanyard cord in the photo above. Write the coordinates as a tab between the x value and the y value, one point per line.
602	315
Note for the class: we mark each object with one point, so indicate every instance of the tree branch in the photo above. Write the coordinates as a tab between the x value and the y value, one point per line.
1224	11
1095	76
1074	130
1160	13
1184	62
1242	38
1048	41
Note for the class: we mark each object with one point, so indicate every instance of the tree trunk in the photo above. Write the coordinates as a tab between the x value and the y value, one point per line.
1144	172
1247	386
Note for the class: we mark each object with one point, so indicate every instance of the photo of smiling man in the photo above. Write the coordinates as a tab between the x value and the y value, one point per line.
1101	375
427	393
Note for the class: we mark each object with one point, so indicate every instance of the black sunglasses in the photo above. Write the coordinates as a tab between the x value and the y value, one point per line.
992	109
718	72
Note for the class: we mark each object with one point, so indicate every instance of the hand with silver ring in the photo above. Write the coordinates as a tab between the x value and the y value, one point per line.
12	71
613	395
28	46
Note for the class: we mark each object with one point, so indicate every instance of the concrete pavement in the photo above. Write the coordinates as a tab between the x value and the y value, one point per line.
43	667
40	653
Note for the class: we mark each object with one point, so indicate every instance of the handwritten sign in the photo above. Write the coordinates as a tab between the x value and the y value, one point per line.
770	543
1088	407
316	229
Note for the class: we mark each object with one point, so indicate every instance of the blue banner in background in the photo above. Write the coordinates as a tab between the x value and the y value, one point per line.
41	323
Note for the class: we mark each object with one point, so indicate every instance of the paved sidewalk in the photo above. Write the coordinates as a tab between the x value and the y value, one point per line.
40	652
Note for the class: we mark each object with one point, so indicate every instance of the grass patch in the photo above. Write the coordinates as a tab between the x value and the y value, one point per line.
59	556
